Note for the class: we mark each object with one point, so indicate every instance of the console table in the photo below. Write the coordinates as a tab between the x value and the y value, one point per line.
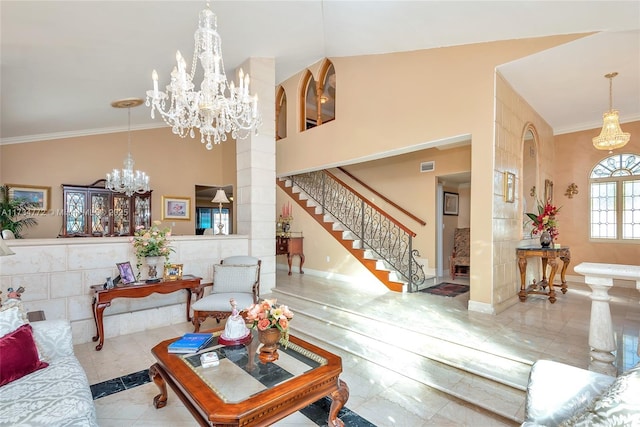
290	246
103	297
549	256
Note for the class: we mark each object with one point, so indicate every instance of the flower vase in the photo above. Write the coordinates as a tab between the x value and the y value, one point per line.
545	239
269	339
155	269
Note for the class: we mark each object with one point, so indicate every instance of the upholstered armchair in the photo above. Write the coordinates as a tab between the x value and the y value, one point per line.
236	277
459	262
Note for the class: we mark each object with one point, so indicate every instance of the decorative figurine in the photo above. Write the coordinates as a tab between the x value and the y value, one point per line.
235	330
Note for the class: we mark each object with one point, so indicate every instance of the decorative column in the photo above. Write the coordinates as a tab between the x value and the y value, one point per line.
599	277
256	174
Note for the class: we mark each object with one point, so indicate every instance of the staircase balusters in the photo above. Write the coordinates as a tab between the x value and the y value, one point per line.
377	231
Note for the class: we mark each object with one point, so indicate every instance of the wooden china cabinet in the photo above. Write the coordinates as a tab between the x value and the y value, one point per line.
93	210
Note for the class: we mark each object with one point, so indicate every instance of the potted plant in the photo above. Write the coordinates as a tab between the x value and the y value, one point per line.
13	213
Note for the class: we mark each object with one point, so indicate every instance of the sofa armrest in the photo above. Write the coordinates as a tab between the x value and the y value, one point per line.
556	391
53	338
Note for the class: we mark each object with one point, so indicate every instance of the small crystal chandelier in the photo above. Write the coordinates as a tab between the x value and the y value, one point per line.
127	180
611	135
208	109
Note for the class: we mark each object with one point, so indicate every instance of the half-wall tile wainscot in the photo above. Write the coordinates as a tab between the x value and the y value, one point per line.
57	275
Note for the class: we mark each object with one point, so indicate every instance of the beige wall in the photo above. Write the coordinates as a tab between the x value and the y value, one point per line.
434	94
174	165
576	154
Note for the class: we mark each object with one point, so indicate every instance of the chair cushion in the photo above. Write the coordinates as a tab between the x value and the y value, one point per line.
465	260
12	316
220	302
240	260
234	278
619	405
19	355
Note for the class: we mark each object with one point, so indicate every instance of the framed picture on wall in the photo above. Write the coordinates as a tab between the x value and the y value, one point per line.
450	203
37	197
509	187
176	208
548	190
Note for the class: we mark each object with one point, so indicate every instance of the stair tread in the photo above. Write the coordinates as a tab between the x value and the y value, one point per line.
420	343
497	397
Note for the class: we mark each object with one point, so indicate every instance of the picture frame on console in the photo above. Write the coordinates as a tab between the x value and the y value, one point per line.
172	272
450	203
38	197
176	208
126	272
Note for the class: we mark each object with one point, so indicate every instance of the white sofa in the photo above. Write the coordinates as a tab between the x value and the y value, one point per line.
566	396
57	395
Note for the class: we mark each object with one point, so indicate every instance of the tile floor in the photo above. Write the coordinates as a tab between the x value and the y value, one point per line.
529	331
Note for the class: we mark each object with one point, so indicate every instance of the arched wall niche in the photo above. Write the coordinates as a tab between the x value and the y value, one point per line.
530	175
327	92
308	102
281	113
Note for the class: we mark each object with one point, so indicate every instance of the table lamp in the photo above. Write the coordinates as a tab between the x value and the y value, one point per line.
220	198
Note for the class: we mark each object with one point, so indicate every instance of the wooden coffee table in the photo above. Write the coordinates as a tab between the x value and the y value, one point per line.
241	390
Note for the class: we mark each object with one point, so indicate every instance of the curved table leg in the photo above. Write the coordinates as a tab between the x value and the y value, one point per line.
522	265
566	259
338	399
553	263
289	262
301	263
98	312
160	401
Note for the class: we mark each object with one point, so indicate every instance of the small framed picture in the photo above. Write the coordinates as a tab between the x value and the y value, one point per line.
126	272
450	205
176	208
172	272
548	190
509	187
37	197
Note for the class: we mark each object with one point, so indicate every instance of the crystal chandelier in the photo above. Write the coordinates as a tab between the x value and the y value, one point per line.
127	180
209	109
611	135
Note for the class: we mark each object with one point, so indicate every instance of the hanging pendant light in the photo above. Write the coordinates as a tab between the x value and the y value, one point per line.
127	180
611	135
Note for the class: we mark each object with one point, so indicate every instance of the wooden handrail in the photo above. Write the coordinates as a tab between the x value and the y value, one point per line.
400	208
374	206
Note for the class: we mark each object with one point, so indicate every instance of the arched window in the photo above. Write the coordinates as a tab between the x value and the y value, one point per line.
328	95
615	198
309	102
281	113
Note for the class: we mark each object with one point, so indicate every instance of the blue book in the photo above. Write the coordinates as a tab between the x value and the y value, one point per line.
190	343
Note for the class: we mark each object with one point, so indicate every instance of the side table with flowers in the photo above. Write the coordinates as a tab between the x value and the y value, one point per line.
272	323
544	223
151	243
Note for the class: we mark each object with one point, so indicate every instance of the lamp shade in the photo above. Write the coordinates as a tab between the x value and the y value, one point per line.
4	249
220	197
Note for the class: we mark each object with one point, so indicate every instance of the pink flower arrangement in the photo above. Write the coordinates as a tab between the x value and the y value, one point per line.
151	242
545	220
266	314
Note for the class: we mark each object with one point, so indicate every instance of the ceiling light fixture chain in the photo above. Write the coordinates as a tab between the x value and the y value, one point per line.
210	109
127	180
611	135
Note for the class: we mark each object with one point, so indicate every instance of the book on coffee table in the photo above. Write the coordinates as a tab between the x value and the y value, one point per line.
190	342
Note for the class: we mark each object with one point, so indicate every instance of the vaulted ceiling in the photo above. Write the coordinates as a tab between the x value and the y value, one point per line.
63	62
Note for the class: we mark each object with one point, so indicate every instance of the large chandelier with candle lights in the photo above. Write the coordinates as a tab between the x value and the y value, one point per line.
217	108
